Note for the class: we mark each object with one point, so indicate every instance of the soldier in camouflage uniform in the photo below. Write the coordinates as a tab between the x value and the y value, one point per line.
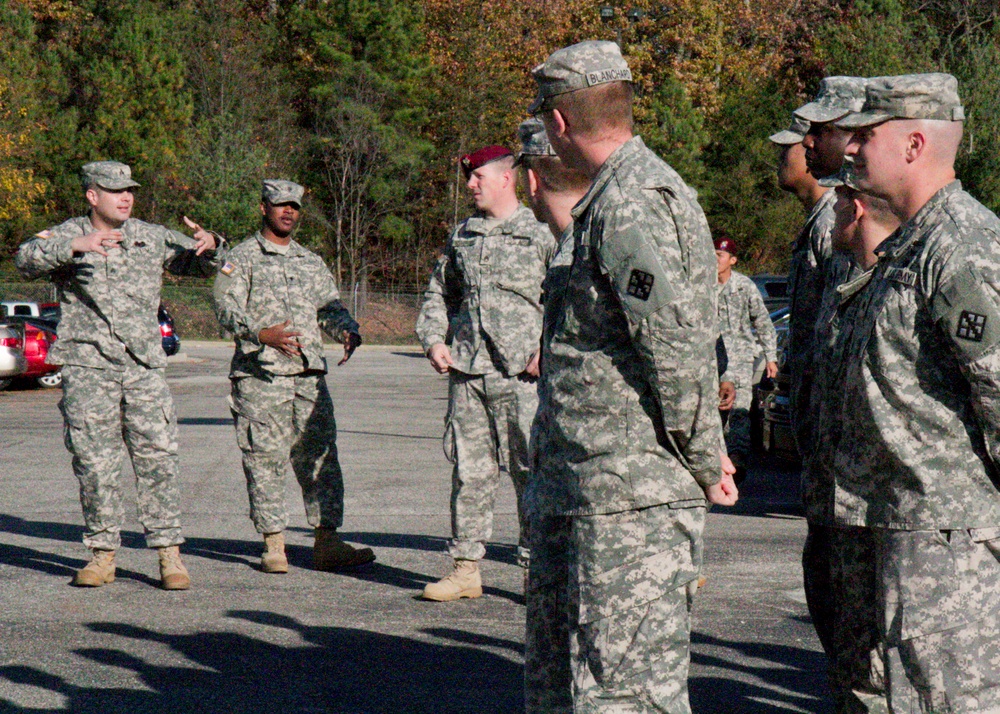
629	445
850	632
916	444
747	331
484	300
274	296
108	268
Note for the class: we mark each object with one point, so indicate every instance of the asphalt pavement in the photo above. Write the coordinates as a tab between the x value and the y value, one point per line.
353	642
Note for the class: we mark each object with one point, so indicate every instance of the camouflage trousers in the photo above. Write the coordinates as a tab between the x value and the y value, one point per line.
609	603
488	426
939	617
281	420
105	413
838	566
738	422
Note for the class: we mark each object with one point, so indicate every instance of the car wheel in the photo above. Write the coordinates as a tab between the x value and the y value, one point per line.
4	383
50	380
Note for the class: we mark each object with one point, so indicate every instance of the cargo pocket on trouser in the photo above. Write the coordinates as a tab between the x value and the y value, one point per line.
633	625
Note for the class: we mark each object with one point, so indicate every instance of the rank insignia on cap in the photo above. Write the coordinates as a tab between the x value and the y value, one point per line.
227	268
971	326
640	285
44	234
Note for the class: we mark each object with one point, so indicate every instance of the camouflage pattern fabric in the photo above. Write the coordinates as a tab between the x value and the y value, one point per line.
919	376
109	303
811	254
939	594
484	294
747	332
262	285
838	566
629	383
288	418
933	95
488	426
105	412
611	594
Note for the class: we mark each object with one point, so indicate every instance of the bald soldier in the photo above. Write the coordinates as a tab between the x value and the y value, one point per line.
629	450
919	373
108	268
275	296
480	324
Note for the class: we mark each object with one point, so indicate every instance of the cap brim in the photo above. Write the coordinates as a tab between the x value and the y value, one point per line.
832	181
786	138
536	106
817	113
863	119
116	184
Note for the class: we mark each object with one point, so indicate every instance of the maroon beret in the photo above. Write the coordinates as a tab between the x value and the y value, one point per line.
471	162
726	244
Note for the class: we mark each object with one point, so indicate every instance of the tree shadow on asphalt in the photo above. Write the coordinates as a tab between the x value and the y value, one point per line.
334	669
791	678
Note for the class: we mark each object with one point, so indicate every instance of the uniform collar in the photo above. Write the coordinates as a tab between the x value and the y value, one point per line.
479	223
906	235
620	156
268	247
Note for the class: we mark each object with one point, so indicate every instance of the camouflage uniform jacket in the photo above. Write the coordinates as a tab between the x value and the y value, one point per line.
109	304
745	323
919	357
485	294
629	383
843	283
259	286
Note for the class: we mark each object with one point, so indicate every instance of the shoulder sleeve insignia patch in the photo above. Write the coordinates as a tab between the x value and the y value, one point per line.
971	326
640	284
44	234
227	268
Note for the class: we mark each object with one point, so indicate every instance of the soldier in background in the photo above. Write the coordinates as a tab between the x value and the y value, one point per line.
919	375
480	324
274	296
747	331
793	173
629	449
108	269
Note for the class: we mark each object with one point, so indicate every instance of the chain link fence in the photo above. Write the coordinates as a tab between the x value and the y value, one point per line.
385	317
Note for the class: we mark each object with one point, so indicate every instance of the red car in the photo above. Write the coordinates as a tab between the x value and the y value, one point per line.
38	336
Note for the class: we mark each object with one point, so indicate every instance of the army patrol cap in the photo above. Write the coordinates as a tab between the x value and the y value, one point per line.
794	134
908	96
585	64
534	140
837	97
279	191
109	175
845	177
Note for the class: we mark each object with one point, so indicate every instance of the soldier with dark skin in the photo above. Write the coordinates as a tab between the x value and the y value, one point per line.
275	296
108	269
618	497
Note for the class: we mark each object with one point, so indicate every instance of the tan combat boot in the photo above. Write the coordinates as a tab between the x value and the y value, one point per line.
331	553
273	559
463	581
99	571
173	574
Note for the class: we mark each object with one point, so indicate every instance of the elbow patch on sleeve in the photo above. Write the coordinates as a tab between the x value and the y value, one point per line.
968	309
638	277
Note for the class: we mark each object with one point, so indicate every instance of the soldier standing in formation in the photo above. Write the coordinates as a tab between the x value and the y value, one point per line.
108	269
747	331
274	296
918	368
629	447
484	301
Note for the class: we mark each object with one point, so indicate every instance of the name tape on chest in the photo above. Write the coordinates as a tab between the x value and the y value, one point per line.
640	285
904	276
971	326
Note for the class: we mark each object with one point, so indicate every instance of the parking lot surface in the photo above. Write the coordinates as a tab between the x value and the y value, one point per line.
353	642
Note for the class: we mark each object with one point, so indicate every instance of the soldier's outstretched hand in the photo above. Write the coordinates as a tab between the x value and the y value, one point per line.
352	340
281	338
97	242
204	239
440	357
724	493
